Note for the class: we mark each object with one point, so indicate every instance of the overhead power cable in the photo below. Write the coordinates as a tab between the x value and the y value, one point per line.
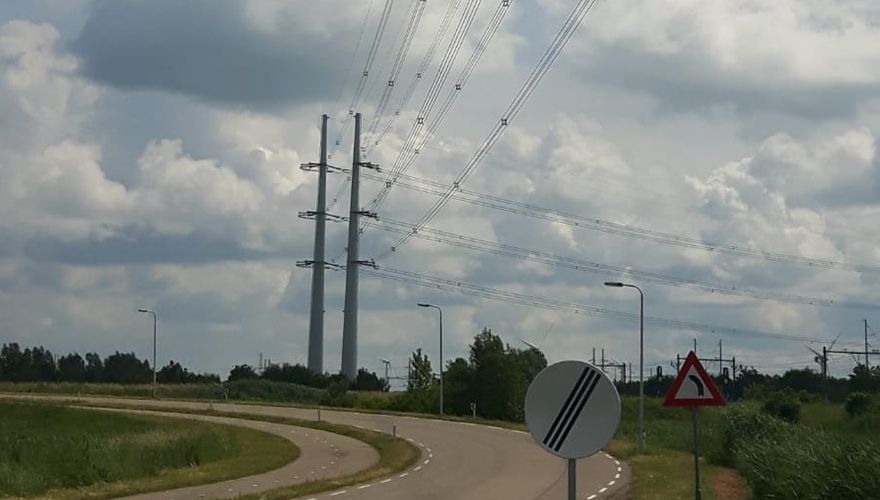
575	264
354	53
595	224
397	66
442	73
368	64
429	123
528	87
420	72
457	286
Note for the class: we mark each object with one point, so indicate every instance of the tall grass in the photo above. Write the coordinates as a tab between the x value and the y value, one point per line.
783	460
43	447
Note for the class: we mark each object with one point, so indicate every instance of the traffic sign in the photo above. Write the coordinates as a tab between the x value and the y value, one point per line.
572	409
693	387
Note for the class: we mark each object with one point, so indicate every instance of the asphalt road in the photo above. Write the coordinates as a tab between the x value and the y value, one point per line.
460	461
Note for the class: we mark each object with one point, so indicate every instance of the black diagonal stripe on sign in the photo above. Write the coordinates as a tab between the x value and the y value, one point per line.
567	418
574	390
577	413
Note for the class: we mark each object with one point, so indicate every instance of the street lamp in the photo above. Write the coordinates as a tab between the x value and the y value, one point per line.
441	350
618	284
155	321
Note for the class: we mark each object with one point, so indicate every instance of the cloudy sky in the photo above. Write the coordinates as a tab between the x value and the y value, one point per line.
150	152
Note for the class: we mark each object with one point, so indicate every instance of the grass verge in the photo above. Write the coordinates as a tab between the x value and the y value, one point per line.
395	454
54	451
669	438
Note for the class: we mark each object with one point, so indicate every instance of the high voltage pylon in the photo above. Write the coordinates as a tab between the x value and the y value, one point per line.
318	263
353	263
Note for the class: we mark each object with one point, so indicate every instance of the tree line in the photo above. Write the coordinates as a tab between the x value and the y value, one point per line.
492	382
37	364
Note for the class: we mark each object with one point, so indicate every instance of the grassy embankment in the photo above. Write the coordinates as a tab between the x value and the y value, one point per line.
395	454
61	452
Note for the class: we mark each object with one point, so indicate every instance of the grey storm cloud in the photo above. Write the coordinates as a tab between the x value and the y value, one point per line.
682	84
206	49
135	245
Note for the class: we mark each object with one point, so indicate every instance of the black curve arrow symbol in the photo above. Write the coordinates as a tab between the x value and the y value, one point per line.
699	383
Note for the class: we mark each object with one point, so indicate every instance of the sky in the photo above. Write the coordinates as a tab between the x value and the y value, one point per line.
150	153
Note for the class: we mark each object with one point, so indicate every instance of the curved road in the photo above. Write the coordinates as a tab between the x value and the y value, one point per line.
322	455
460	461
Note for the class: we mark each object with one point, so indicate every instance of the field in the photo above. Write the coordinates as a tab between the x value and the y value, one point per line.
61	452
828	455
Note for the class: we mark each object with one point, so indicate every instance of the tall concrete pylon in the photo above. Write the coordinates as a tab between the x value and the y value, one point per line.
350	319
316	317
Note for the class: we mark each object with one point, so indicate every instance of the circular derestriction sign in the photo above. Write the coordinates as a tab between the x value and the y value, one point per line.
572	409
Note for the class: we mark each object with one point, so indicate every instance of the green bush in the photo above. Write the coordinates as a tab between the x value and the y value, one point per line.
783	460
857	404
784	407
268	390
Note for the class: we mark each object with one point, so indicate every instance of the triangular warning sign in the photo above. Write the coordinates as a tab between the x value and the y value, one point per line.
693	386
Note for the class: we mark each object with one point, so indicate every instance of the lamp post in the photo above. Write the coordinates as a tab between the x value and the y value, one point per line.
155	321
618	284
441	351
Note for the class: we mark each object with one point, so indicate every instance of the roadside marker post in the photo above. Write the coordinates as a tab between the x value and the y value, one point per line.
693	388
572	410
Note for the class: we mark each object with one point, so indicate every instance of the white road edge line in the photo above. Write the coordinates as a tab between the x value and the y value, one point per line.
404	474
603	490
339	493
591	497
364	486
385	481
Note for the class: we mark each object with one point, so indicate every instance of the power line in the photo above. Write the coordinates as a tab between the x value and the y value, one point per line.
420	71
368	64
458	37
436	120
458	286
357	47
546	258
609	227
540	70
397	66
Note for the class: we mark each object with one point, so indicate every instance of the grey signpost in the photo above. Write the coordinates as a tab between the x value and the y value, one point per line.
572	410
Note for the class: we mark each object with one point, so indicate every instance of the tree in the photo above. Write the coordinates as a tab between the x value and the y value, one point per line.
13	363
497	381
368	381
42	364
458	381
421	376
422	394
71	368
94	368
241	372
172	373
126	368
864	379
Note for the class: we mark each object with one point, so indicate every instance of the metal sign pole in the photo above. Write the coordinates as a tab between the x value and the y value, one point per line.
572	479
698	492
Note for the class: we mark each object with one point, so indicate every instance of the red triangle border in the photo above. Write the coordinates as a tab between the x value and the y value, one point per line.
716	400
